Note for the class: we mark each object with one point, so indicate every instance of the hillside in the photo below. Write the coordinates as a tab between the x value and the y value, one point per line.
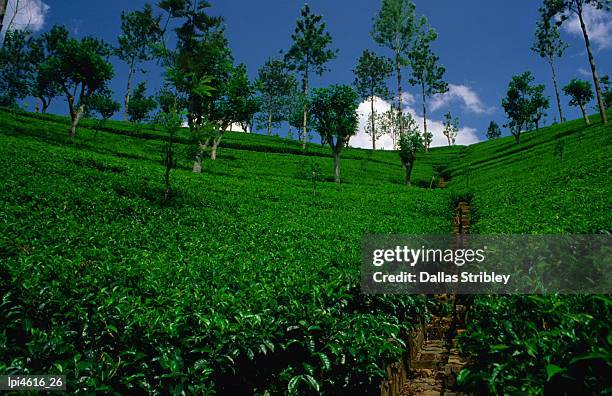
247	281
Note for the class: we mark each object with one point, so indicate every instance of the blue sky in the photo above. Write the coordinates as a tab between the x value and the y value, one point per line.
481	44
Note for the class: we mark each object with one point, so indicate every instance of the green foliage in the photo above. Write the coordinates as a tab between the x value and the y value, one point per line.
44	85
141	105
136	298
427	73
395	27
81	68
534	345
580	92
139	30
15	68
103	104
410	143
548	42
451	128
523	103
371	74
493	131
310	50
274	85
334	114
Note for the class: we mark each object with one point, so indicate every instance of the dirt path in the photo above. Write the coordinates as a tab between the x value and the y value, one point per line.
433	361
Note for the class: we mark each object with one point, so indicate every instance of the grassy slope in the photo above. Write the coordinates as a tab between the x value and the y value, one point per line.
539	344
247	270
247	237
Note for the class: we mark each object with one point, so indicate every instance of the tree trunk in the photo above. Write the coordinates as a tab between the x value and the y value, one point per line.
398	70
517	135
602	107
76	117
197	164
424	113
554	76
37	105
213	150
408	173
373	124
270	117
2	12
305	130
128	92
584	115
336	155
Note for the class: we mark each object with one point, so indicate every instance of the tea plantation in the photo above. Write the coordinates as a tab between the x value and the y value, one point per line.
247	280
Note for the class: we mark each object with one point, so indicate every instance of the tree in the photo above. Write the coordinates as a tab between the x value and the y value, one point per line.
410	143
141	105
274	84
44	85
391	123
309	52
15	68
334	115
198	68
581	93
561	10
103	104
549	45
395	26
171	121
493	132
426	72
520	103
295	110
235	104
371	74
81	68
451	128
139	29
540	104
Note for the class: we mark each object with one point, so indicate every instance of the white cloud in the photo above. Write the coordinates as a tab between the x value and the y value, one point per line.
466	135
25	14
461	93
584	72
598	24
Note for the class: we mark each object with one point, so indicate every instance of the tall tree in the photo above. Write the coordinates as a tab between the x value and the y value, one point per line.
395	27
15	68
493	131
581	93
427	73
81	68
549	45
139	29
198	68
562	10
274	84
44	86
334	115
451	128
519	103
371	74
310	51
